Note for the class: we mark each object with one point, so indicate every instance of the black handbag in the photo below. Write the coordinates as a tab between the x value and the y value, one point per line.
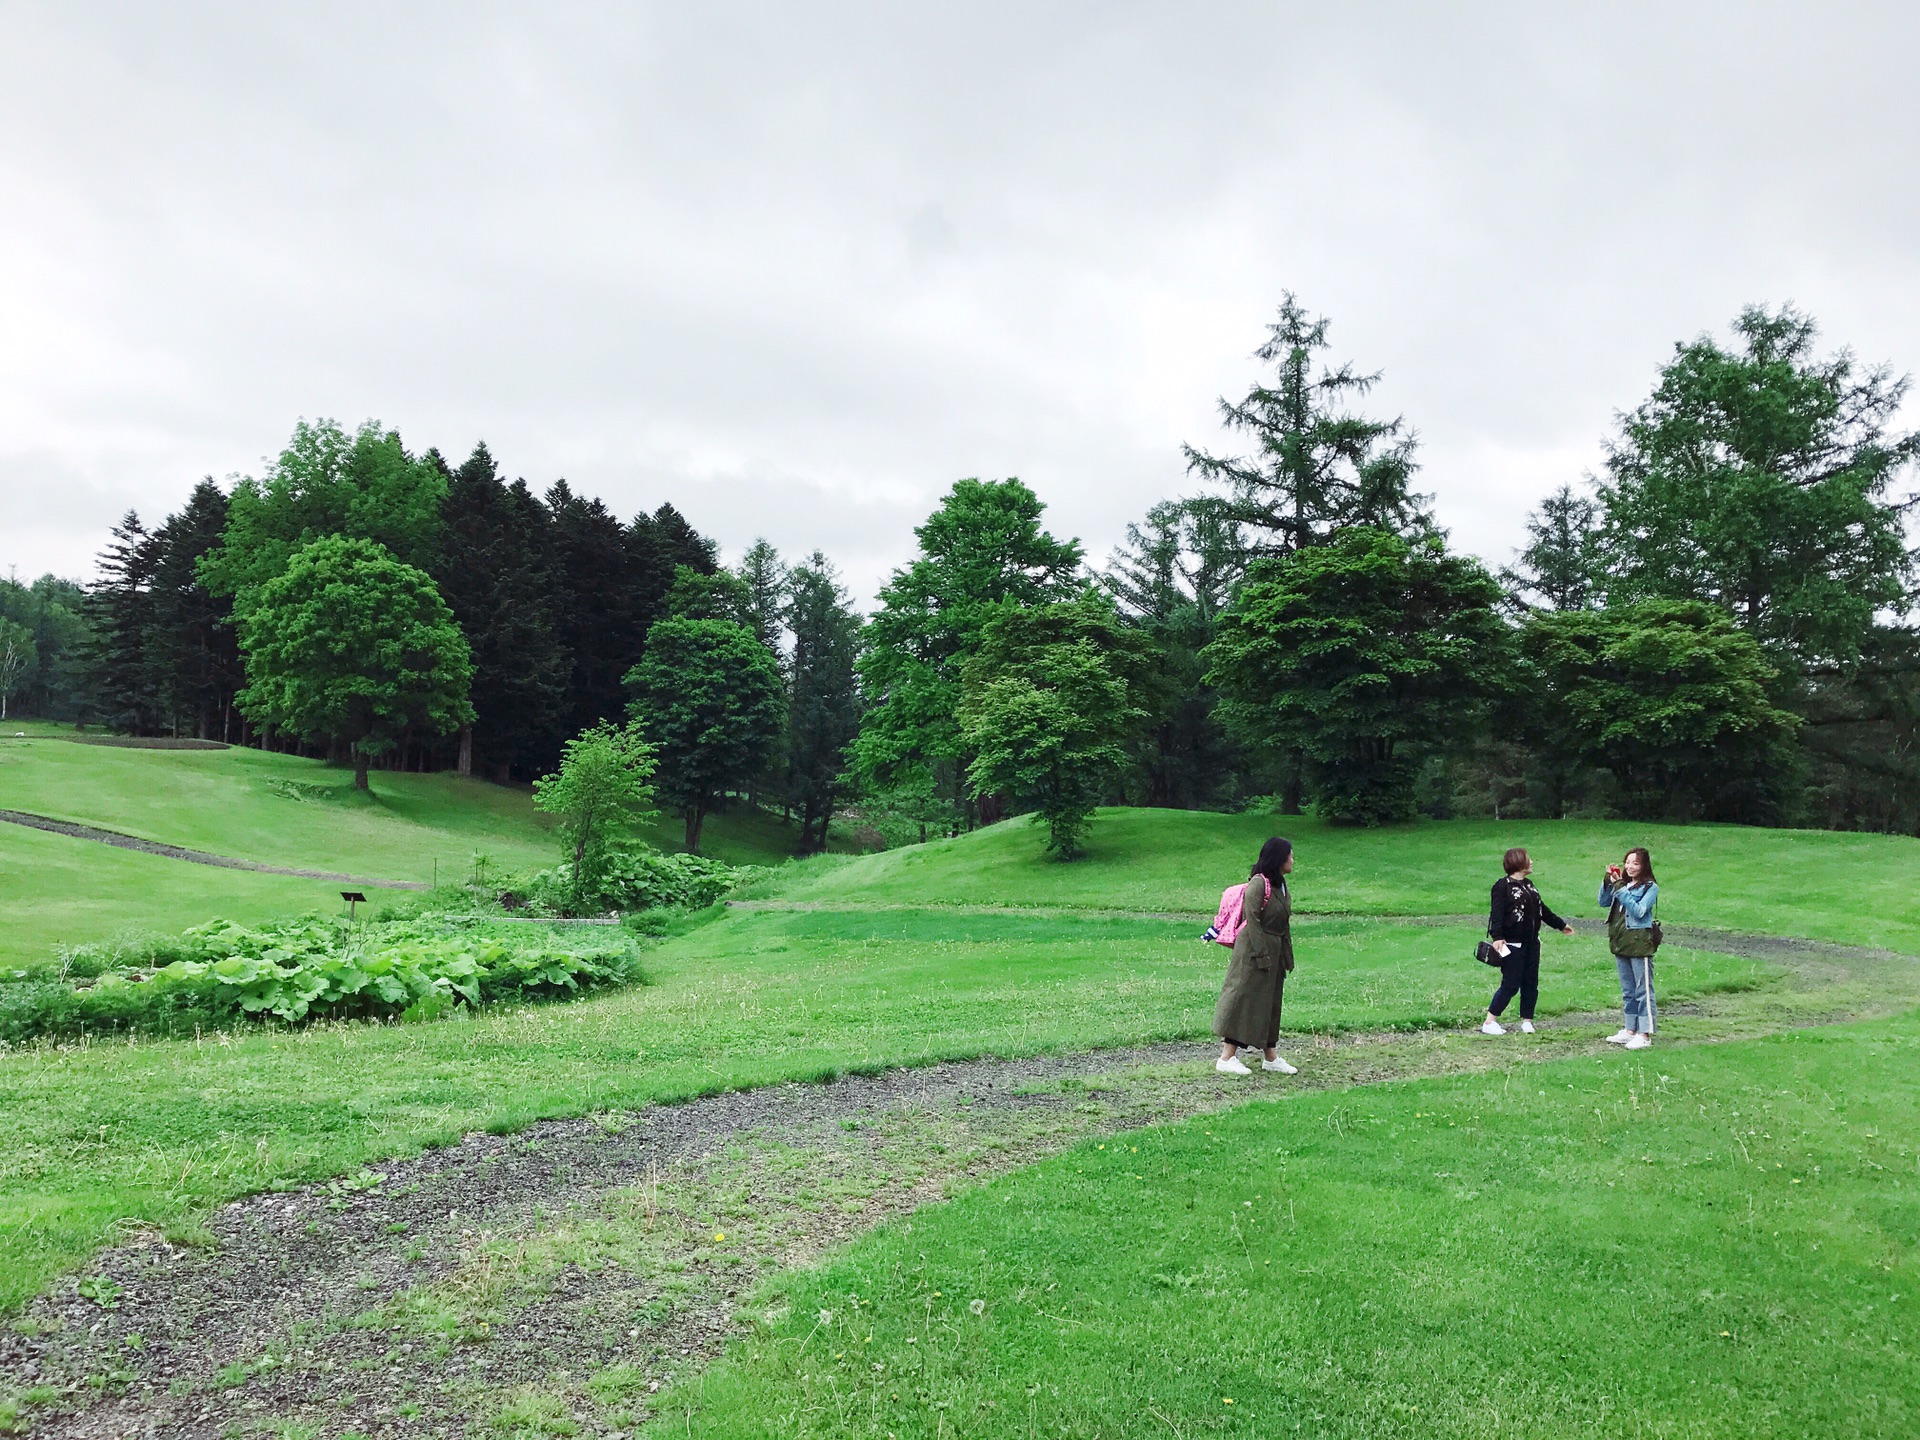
1487	955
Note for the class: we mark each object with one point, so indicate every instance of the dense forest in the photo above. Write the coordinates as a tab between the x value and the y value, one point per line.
1718	625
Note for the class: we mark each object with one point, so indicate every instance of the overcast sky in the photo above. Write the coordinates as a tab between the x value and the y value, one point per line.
796	268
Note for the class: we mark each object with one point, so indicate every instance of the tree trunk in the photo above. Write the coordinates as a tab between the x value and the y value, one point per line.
360	769
466	749
503	774
696	818
1292	790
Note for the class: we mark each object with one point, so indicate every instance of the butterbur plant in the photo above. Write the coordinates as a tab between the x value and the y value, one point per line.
224	973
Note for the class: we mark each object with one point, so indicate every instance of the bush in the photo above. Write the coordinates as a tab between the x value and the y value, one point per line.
632	879
223	973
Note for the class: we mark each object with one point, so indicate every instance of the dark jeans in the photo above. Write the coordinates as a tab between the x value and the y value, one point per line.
1519	975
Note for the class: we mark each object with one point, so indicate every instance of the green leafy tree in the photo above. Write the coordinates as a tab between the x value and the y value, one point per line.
1365	653
982	552
326	482
823	713
719	596
350	643
1047	710
707	696
601	794
53	612
18	659
1760	477
1560	564
1316	467
1671	697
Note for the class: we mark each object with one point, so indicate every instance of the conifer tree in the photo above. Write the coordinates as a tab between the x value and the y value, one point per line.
121	684
1317	466
823	714
496	574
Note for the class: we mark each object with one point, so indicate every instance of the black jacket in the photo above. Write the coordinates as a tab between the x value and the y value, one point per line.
1517	911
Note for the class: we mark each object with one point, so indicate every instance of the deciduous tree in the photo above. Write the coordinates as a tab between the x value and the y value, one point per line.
17	660
707	696
349	642
601	794
326	482
1047	711
982	553
1672	698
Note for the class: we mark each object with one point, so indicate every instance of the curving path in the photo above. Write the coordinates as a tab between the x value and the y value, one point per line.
417	1298
197	857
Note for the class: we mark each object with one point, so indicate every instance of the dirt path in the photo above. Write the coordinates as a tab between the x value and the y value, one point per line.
570	1269
197	857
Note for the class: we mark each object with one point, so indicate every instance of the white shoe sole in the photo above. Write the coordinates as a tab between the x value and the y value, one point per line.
1279	1067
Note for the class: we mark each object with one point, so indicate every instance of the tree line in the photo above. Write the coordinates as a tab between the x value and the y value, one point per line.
1718	625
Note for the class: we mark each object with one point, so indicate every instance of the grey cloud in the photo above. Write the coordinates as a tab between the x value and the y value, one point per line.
798	268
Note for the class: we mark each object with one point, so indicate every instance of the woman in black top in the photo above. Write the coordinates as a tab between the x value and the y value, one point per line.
1513	924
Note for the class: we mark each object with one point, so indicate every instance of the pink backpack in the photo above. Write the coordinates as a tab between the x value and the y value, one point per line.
1226	920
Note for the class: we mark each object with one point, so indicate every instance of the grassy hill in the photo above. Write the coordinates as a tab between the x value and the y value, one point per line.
251	805
1852	888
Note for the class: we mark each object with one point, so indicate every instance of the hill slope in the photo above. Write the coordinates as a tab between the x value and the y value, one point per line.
1853	888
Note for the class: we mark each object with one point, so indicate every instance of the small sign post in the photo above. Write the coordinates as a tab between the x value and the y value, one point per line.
353	898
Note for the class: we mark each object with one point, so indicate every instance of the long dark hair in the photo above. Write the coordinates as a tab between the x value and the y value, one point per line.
1646	866
1273	862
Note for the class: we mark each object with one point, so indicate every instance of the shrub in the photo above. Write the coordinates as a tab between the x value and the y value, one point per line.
633	879
223	973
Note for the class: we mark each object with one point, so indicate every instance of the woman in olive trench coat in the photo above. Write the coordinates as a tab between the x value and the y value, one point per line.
1248	1015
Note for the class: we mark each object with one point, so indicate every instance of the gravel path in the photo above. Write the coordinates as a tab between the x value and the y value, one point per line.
197	857
570	1269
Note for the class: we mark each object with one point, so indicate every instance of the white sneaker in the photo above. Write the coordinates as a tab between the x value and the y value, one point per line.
1279	1064
1526	1027
1638	1042
1493	1027
1620	1037
1231	1066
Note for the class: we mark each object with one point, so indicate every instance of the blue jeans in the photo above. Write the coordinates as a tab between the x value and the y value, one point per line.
1636	992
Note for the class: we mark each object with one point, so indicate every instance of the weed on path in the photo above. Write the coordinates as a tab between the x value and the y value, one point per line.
549	1282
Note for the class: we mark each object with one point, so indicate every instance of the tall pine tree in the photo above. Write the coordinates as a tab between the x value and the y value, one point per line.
123	693
1317	465
495	572
823	715
190	646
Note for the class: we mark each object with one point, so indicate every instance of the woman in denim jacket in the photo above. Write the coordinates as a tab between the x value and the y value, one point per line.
1628	894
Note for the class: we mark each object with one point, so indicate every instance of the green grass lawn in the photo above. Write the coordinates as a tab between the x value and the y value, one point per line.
1853	888
158	1131
55	890
1717	1241
276	809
